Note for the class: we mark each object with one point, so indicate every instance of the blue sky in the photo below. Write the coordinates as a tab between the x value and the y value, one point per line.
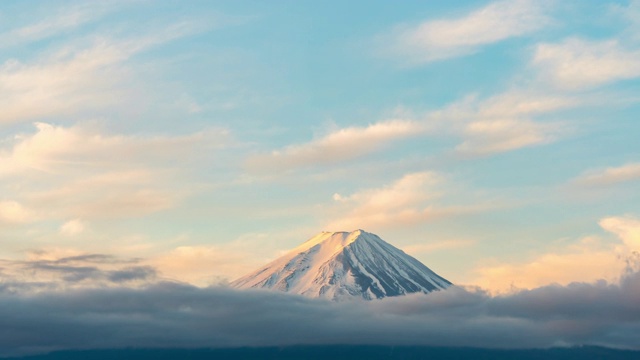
497	142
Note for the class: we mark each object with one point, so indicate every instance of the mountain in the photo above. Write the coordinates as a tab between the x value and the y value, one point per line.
340	265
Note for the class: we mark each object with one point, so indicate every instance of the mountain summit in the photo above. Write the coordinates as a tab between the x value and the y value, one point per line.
338	265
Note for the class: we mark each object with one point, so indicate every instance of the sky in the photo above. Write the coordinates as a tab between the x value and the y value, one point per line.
497	142
155	147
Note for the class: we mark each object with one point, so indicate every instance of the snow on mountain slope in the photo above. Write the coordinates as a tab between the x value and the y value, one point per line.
339	265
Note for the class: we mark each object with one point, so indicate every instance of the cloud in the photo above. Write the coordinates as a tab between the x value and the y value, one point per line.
577	63
166	315
605	259
610	176
111	195
561	267
204	265
630	14
48	271
95	174
105	301
84	260
409	200
341	145
61	86
63	20
627	228
501	135
119	202
12	212
503	122
441	39
72	227
53	148
78	77
398	203
207	265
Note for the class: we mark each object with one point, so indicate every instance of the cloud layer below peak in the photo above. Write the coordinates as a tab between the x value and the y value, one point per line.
171	315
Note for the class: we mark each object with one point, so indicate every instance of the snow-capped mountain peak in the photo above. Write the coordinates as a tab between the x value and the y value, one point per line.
338	265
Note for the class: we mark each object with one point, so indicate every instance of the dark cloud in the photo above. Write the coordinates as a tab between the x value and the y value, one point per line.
82	273
95	258
132	273
176	315
89	270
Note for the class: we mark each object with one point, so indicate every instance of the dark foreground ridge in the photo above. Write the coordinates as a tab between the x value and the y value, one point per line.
343	352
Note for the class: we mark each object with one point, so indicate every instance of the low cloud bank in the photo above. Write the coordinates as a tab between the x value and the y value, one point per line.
170	315
42	273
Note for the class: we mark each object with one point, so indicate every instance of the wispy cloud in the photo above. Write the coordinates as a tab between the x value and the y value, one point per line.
412	199
501	123
401	202
57	21
610	176
446	38
630	13
92	174
54	149
578	63
343	144
504	122
78	76
490	136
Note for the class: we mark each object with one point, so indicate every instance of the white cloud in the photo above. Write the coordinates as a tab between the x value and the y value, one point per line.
77	77
110	196
627	228
12	212
503	122
589	260
63	19
398	203
611	175
518	103
61	85
410	189
441	39
204	265
72	227
91	174
409	200
583	263
54	148
489	136
197	265
344	144
577	63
